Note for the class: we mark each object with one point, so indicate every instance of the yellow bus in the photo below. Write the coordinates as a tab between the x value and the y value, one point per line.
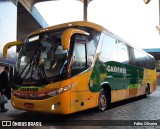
75	66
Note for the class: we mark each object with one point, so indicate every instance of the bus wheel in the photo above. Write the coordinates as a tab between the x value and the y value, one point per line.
102	100
147	91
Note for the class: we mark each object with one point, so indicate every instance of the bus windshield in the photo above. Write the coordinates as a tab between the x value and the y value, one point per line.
41	58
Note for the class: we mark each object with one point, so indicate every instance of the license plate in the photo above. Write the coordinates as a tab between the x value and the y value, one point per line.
29	105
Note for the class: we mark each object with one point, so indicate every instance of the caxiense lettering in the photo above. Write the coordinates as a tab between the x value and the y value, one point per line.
28	89
116	69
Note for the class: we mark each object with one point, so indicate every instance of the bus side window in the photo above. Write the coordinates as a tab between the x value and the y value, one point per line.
132	59
91	48
123	53
151	62
141	58
109	49
79	58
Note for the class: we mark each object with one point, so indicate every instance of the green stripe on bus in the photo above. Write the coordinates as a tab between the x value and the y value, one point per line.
117	75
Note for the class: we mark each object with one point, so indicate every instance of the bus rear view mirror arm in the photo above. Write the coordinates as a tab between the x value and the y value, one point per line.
10	44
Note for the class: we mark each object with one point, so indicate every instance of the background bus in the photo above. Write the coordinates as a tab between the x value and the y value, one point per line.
76	66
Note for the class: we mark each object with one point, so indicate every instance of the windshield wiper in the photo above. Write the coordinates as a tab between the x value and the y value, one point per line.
38	67
29	63
41	73
34	66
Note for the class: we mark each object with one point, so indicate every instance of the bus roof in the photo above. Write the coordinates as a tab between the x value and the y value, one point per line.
87	24
76	23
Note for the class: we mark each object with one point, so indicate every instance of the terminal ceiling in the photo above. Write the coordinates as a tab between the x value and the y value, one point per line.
30	3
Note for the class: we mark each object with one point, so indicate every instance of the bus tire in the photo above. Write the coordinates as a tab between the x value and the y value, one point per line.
147	92
102	100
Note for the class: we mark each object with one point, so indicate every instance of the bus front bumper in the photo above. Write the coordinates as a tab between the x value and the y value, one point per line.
55	105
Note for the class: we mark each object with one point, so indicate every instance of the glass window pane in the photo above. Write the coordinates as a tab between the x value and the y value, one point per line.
109	49
79	56
123	53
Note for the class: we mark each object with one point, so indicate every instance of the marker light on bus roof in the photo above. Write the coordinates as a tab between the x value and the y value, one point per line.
34	38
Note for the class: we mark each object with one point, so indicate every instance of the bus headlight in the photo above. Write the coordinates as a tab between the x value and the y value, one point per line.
61	90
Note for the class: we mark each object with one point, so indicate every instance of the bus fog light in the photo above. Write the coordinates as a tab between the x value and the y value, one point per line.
54	106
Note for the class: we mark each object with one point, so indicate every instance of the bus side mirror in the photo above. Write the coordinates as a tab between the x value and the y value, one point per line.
67	34
8	45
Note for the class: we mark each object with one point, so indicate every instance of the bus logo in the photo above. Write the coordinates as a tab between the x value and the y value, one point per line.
115	69
28	89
